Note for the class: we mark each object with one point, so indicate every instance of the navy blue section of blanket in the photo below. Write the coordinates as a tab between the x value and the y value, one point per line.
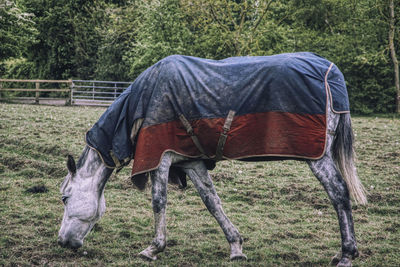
202	88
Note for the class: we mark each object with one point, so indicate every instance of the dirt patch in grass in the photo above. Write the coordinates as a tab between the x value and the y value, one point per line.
390	155
31	167
221	176
37	189
288	256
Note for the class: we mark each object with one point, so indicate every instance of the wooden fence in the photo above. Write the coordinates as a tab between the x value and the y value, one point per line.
37	90
75	92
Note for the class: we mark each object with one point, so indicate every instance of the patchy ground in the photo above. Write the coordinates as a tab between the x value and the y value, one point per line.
279	207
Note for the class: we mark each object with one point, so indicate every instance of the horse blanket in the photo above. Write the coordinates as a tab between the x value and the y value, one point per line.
275	107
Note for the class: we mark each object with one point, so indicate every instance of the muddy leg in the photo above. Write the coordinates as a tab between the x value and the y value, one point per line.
327	173
159	179
202	181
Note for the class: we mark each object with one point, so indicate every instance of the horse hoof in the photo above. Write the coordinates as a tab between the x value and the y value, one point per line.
335	260
147	256
344	262
238	257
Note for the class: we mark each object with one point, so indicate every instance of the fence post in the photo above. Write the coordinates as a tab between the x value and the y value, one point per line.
115	91
69	97
72	92
93	91
37	93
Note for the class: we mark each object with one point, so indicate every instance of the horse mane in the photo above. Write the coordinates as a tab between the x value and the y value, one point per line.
83	157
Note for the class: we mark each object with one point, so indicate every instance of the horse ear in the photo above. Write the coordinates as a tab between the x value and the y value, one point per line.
71	165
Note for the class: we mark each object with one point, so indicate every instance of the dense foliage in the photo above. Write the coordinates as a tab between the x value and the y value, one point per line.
118	39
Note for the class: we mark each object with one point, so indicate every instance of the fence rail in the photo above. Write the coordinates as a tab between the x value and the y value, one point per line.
37	88
91	92
79	92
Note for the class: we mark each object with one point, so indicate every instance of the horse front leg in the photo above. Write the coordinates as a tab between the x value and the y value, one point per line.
202	181
159	179
327	173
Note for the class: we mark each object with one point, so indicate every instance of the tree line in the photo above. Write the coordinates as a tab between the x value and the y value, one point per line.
118	39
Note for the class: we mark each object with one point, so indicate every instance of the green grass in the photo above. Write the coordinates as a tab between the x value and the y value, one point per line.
279	207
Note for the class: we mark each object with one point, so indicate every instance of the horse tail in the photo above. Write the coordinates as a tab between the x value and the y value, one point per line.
344	156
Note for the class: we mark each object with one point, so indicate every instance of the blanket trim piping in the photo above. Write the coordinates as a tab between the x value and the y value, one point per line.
328	91
101	157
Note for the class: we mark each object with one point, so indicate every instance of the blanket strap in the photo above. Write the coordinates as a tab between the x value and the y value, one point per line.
118	164
224	135
190	131
115	159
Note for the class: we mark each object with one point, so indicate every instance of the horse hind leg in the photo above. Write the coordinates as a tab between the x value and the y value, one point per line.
330	177
327	173
201	179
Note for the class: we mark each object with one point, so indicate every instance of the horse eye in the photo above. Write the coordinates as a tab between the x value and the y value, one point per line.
64	199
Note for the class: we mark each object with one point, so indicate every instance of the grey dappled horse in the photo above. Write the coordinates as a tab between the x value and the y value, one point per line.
83	193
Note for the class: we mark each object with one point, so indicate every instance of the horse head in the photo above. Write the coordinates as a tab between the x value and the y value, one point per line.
83	197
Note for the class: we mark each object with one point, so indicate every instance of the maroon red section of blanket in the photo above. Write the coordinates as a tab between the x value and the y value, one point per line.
275	134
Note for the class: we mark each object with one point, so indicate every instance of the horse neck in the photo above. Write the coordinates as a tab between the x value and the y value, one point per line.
91	166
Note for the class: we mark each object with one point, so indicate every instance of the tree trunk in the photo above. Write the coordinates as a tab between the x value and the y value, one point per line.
393	54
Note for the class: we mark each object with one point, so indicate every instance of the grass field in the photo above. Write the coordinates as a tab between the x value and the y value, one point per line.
279	207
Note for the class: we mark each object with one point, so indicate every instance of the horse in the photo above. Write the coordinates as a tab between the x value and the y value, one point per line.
84	204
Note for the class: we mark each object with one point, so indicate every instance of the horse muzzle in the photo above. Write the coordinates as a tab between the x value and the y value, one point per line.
69	243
